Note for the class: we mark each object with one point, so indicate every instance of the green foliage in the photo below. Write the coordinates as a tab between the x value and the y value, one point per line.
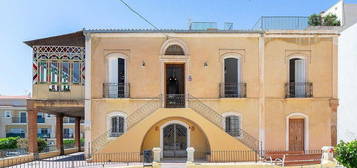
8	143
331	20
68	141
346	153
41	144
71	141
318	20
315	20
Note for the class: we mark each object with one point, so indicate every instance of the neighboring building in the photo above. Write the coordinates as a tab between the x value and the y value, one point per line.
14	122
58	86
346	13
13	116
347	85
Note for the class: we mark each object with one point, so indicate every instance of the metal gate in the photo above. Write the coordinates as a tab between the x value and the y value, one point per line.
175	141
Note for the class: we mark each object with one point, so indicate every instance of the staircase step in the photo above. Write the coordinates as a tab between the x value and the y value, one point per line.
303	162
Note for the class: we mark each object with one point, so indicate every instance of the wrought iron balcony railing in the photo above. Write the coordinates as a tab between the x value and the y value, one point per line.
68	136
175	101
116	90
11	134
19	120
238	90
44	135
298	89
41	120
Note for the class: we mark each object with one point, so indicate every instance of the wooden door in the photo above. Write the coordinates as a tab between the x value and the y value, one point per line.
296	135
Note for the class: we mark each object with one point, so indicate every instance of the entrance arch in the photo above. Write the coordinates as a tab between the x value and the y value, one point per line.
174	139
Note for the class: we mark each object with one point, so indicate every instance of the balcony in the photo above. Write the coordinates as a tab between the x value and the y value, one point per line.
40	119
298	89
175	101
42	135
11	134
68	135
233	90
116	90
19	120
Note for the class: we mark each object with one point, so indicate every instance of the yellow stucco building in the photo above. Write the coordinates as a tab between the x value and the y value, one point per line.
212	90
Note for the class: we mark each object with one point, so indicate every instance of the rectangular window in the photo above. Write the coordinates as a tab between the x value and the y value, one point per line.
23	117
44	132
40	118
67	133
54	72
76	72
65	72
43	70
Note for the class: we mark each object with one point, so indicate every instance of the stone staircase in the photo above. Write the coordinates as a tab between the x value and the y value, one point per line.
217	119
139	114
194	104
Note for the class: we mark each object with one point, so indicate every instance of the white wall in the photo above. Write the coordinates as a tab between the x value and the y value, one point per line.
347	85
336	9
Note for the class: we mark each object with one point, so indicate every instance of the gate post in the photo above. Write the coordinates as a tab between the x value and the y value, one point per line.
190	154
157	154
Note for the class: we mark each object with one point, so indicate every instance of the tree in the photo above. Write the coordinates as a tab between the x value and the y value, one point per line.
346	154
328	20
331	20
315	20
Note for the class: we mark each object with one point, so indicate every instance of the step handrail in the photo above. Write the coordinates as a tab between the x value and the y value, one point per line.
217	119
139	114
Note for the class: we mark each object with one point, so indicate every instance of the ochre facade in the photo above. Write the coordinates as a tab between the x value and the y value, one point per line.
264	112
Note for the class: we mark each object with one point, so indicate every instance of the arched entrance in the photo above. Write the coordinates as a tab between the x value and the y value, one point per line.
175	140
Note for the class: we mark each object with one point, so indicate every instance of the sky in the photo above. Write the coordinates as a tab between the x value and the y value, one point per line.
22	20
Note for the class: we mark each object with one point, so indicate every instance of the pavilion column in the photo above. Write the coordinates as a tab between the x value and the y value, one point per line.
77	133
32	131
59	133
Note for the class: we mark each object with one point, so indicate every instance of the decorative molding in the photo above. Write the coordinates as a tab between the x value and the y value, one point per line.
306	129
227	52
305	54
58	52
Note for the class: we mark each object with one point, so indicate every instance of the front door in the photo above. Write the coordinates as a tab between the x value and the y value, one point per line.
296	135
174	141
175	85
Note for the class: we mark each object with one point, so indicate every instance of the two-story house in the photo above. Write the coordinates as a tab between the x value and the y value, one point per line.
212	90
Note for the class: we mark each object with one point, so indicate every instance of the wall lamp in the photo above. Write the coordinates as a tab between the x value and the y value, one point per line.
205	64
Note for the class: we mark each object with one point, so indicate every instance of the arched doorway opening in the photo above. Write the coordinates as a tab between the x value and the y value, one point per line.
195	137
174	140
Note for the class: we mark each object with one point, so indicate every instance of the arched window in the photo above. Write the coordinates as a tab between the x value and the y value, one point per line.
297	77
232	84
232	125
117	126
174	50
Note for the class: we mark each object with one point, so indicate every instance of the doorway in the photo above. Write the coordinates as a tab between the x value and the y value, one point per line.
174	141
175	85
296	134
